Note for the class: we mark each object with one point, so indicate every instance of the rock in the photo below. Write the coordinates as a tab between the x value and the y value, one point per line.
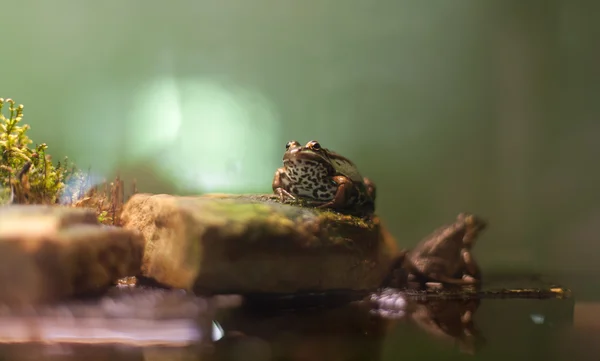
48	253
251	244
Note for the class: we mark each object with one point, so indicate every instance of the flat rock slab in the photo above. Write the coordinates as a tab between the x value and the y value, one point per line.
249	244
49	253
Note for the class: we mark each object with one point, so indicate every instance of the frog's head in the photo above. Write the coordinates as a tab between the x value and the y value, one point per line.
473	226
312	151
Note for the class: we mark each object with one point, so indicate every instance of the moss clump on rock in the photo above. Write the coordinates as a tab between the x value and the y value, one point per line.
28	176
27	170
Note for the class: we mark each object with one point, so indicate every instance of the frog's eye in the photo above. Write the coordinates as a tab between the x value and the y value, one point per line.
314	145
290	144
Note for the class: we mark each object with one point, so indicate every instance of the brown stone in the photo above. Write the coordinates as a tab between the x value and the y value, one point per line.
254	244
48	253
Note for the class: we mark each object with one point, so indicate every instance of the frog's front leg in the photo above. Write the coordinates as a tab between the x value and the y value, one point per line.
438	272
471	268
371	188
339	199
278	185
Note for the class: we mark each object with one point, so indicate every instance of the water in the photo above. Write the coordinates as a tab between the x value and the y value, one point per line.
173	326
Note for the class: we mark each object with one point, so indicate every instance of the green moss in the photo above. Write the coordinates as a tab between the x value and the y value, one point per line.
29	170
103	217
253	214
243	211
265	214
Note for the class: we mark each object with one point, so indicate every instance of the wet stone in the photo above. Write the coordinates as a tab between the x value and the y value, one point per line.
51	253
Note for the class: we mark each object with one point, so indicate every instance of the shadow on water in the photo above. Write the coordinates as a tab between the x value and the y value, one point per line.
164	325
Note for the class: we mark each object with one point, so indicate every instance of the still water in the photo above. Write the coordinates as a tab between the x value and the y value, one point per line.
170	325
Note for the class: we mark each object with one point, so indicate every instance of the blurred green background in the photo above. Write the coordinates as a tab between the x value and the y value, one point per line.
465	105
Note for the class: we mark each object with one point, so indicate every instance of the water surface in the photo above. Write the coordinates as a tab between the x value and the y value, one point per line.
159	325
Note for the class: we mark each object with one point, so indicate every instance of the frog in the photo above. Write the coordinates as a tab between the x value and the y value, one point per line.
450	320
323	177
445	255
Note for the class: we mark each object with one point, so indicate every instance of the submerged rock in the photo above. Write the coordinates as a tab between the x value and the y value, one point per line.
48	253
254	244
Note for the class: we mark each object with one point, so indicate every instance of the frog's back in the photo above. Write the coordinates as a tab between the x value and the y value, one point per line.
442	244
345	166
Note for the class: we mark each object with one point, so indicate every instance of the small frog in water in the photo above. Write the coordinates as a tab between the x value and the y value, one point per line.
323	176
445	255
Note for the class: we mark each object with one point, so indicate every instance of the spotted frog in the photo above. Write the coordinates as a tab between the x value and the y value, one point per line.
445	255
324	177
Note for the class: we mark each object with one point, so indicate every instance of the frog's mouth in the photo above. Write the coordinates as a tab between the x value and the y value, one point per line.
303	153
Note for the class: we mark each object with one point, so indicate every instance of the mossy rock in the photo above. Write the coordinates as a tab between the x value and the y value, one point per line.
250	244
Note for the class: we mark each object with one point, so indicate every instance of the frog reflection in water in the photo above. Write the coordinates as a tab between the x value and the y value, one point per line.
445	255
324	177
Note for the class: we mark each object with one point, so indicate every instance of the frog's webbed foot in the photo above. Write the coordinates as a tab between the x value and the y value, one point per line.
277	186
454	281
283	194
469	279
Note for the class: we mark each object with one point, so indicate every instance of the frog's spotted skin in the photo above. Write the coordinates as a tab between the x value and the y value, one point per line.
323	176
304	179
